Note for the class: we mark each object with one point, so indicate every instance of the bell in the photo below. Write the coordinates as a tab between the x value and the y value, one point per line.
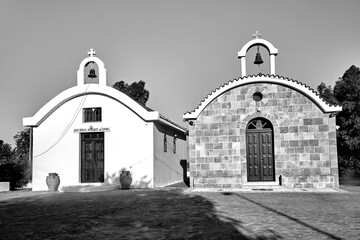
92	74
258	59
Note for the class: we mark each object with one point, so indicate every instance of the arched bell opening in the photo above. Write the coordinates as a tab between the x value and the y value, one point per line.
91	70
91	73
260	161
258	52
257	42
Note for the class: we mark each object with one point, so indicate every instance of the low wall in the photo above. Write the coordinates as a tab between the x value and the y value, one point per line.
4	186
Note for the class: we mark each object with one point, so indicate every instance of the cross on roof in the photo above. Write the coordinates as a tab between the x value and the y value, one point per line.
257	34
92	52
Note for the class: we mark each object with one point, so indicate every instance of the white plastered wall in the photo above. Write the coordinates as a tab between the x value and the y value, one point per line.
128	144
167	168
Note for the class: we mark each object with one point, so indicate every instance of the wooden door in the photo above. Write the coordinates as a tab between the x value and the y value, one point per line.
260	157
92	157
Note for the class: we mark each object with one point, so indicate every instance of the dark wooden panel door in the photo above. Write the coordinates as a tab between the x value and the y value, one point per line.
266	156
260	157
253	163
92	157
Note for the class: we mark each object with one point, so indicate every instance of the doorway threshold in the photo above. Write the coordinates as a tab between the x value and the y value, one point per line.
262	186
271	183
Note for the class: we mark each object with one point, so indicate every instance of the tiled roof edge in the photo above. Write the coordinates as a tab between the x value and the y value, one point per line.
173	123
260	75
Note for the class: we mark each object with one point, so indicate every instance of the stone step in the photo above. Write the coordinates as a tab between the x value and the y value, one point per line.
262	186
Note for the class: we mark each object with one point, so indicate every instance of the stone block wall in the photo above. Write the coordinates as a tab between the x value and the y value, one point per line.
305	149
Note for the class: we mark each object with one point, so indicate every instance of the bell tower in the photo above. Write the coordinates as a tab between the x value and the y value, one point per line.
91	70
257	42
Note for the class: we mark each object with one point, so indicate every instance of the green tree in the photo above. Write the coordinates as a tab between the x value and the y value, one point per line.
346	93
136	91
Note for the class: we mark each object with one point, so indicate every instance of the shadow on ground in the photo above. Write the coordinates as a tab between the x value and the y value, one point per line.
132	214
293	219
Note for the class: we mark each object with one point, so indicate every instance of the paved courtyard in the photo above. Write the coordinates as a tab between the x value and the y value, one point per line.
176	213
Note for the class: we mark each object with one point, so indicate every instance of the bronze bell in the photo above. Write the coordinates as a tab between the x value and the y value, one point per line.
258	59
92	74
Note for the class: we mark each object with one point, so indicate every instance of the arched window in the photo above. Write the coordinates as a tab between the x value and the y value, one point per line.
91	72
259	123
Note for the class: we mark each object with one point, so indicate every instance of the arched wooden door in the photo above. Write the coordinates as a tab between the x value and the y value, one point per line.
260	150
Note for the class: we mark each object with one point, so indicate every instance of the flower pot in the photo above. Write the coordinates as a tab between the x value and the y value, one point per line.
125	179
53	181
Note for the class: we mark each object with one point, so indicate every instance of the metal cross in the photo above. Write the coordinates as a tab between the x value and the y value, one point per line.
92	52
257	34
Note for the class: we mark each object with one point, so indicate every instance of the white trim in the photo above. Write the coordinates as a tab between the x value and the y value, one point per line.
258	41
262	79
107	91
86	89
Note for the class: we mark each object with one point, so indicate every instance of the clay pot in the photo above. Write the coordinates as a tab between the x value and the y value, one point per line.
125	179
53	181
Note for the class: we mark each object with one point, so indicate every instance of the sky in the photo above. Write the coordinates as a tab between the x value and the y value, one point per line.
183	50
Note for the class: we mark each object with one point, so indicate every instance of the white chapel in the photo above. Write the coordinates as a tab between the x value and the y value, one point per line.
89	133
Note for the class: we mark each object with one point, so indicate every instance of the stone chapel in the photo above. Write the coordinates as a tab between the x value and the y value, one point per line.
263	130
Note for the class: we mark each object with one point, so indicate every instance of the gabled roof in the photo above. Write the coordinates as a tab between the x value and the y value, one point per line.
143	112
261	78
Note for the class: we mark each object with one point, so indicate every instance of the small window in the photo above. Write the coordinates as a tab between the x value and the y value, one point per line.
92	114
174	142
257	96
165	143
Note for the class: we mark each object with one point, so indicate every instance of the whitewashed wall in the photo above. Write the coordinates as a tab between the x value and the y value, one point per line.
167	168
128	144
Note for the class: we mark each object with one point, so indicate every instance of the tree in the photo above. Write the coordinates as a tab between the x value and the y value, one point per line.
22	142
21	155
136	91
346	93
5	152
14	163
327	93
6	164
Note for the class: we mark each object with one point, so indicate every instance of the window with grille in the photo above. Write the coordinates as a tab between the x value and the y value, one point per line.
92	114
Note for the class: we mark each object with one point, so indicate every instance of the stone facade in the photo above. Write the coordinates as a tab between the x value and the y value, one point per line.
305	152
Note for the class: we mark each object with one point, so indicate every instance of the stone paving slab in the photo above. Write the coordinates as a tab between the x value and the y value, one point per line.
176	213
264	189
